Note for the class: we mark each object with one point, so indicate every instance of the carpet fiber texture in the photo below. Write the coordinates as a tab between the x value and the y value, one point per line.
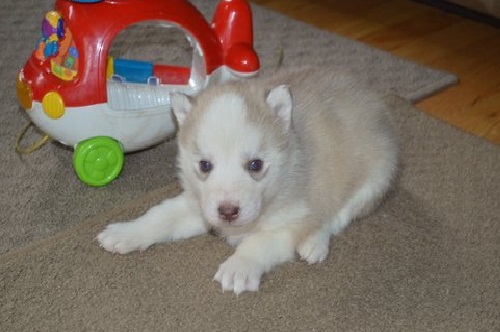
427	260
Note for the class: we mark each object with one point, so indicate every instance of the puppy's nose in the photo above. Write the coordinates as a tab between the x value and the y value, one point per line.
228	212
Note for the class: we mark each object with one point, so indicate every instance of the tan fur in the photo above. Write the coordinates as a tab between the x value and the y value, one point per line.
329	157
340	137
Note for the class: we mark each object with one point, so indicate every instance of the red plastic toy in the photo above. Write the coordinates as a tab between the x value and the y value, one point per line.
79	95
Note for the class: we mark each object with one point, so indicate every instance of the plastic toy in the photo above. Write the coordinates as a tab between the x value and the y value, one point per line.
103	107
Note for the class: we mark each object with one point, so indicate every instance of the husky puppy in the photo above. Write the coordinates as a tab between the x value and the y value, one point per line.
275	165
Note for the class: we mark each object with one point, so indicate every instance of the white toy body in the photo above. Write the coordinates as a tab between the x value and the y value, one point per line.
75	91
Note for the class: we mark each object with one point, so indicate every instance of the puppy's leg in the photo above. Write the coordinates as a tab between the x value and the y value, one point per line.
314	248
173	219
366	198
259	252
255	255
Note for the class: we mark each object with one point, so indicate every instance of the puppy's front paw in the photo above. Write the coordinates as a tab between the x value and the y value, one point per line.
123	238
314	248
239	274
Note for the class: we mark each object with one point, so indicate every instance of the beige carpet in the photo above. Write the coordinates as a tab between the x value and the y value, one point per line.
427	260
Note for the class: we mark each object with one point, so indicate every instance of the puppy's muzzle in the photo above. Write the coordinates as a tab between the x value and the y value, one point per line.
228	212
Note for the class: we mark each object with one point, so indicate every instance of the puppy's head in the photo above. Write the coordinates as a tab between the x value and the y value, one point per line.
232	148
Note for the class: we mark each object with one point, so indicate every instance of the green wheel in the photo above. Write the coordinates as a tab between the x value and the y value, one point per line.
98	160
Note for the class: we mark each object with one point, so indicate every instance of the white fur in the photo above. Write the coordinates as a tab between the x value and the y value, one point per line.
171	220
227	149
327	157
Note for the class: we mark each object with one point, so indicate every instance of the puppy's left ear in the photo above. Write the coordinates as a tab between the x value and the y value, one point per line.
181	106
280	101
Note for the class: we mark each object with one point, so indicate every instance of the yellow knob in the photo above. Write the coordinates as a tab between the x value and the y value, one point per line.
53	105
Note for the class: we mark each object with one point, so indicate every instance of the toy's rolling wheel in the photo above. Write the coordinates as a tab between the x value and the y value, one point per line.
98	161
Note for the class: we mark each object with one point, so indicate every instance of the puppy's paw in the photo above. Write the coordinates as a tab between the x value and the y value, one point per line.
122	238
314	248
239	274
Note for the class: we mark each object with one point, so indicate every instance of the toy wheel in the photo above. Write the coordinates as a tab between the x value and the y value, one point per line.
98	161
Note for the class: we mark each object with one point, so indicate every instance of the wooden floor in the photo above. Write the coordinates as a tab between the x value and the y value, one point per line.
426	35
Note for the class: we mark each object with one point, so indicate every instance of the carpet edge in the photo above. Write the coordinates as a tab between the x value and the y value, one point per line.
433	89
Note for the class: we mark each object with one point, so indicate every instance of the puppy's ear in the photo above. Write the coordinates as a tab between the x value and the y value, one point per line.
280	101
181	106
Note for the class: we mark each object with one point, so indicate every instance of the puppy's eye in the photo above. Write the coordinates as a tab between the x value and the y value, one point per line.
205	166
255	165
